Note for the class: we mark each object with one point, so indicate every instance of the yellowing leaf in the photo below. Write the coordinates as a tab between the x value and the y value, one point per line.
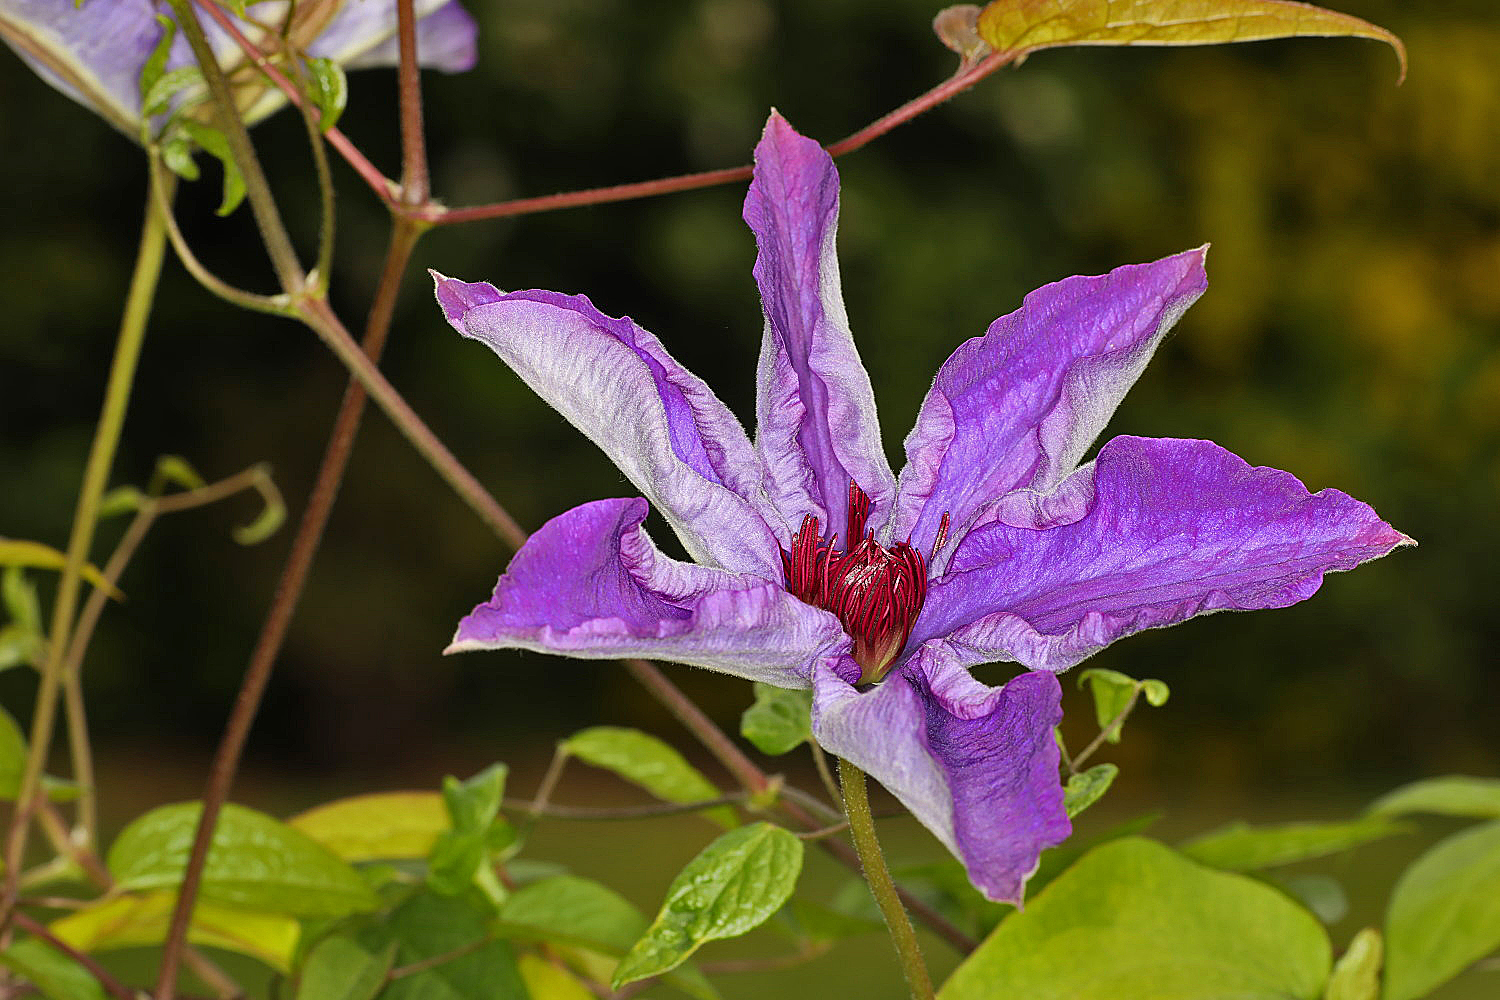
18	552
1027	25
138	920
545	981
380	827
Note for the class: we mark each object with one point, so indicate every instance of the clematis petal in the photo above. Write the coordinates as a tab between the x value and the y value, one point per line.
1019	406
363	34
977	765
591	584
815	411
659	423
1160	530
93	53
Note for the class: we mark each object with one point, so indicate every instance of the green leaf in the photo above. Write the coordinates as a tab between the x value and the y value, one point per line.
428	927
524	871
23	640
12	757
1444	913
255	862
731	887
571	910
212	141
1085	789
177	154
159	98
459	854
341	968
1028	25
138	920
1357	974
1156	692
646	761
1113	693
20	645
779	721
156	63
56	976
568	910
18	552
382	826
1453	795
1134	920
1241	848
329	90
1321	894
20	598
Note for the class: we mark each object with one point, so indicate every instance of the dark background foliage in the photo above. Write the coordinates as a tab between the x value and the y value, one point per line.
1348	336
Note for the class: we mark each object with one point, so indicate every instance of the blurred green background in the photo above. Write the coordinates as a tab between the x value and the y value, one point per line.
1348	335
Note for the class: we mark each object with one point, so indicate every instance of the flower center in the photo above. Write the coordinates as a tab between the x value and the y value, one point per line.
876	592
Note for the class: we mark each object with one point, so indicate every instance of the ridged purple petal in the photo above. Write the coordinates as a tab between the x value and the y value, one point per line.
976	765
1160	530
1018	407
815	412
659	423
591	584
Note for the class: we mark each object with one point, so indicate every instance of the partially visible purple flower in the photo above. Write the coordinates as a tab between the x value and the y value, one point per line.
817	567
94	52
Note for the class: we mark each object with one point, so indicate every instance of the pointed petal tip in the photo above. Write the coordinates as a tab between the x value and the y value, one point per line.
776	122
779	140
457	297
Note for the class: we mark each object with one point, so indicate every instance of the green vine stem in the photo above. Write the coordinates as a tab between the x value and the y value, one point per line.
257	478
132	334
872	860
257	191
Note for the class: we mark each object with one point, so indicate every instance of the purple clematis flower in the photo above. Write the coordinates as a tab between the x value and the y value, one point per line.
94	51
817	567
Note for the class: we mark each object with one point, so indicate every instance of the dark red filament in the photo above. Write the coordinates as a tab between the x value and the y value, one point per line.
876	592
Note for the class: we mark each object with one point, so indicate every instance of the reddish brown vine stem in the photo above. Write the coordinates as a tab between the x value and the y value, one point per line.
967	75
415	184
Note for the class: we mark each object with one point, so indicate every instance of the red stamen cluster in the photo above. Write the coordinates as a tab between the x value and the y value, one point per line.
876	592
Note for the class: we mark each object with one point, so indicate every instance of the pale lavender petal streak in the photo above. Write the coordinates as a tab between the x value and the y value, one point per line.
659	423
1169	529
591	584
1019	406
976	765
815	410
93	53
363	34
